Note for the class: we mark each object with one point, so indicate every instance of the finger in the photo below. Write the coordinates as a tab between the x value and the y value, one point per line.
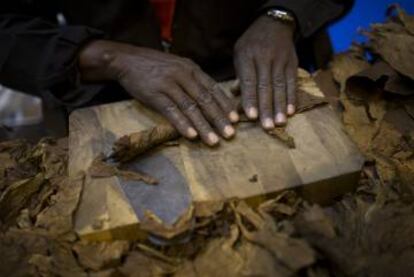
264	91
279	92
219	95
169	110
291	81
208	106
246	73
193	113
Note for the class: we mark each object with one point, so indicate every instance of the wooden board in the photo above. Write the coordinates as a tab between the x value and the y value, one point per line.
324	164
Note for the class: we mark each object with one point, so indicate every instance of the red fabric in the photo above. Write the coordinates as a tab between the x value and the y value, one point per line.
164	10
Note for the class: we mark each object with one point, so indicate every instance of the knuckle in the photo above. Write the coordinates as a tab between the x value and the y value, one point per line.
188	106
174	71
247	82
291	82
189	64
220	121
263	86
215	88
249	98
279	82
168	108
238	46
205	99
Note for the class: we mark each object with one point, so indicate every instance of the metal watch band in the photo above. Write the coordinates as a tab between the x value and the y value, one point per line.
281	15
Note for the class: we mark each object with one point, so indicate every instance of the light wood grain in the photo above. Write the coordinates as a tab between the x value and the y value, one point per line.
324	164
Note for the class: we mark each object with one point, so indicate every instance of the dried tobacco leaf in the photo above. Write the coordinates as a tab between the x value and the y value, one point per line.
364	110
402	16
102	169
306	101
131	146
17	246
16	196
57	218
207	209
291	252
382	75
227	260
348	64
394	44
364	245
138	264
100	255
283	136
60	262
156	226
286	203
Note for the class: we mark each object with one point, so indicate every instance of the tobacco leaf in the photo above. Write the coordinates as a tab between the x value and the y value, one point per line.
128	147
57	218
16	196
306	101
138	264
346	65
282	135
52	156
23	221
358	123
315	220
393	147
102	169
385	77
402	16
153	224
291	252
100	255
394	45
207	209
363	244
325	81
284	204
227	260
17	163
60	262
17	247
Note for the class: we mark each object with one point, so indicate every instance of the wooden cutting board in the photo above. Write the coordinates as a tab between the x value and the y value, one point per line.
253	166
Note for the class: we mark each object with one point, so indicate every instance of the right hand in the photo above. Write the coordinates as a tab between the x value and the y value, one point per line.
173	86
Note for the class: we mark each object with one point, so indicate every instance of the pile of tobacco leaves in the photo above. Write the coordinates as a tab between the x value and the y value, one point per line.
369	232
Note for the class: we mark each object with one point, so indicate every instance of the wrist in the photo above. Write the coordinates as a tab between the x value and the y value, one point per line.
100	60
279	27
284	17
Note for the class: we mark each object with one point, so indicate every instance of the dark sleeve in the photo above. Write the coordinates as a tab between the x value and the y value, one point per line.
37	55
312	14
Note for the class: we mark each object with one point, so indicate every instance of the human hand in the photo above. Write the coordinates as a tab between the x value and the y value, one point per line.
173	86
266	64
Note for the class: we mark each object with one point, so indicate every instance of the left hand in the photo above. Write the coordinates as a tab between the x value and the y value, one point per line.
266	64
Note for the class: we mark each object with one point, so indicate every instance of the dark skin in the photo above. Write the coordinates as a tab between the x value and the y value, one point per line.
266	64
192	101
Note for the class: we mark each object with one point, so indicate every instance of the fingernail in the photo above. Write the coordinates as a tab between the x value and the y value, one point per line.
290	109
268	123
228	131
280	119
213	138
252	113
192	133
234	117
